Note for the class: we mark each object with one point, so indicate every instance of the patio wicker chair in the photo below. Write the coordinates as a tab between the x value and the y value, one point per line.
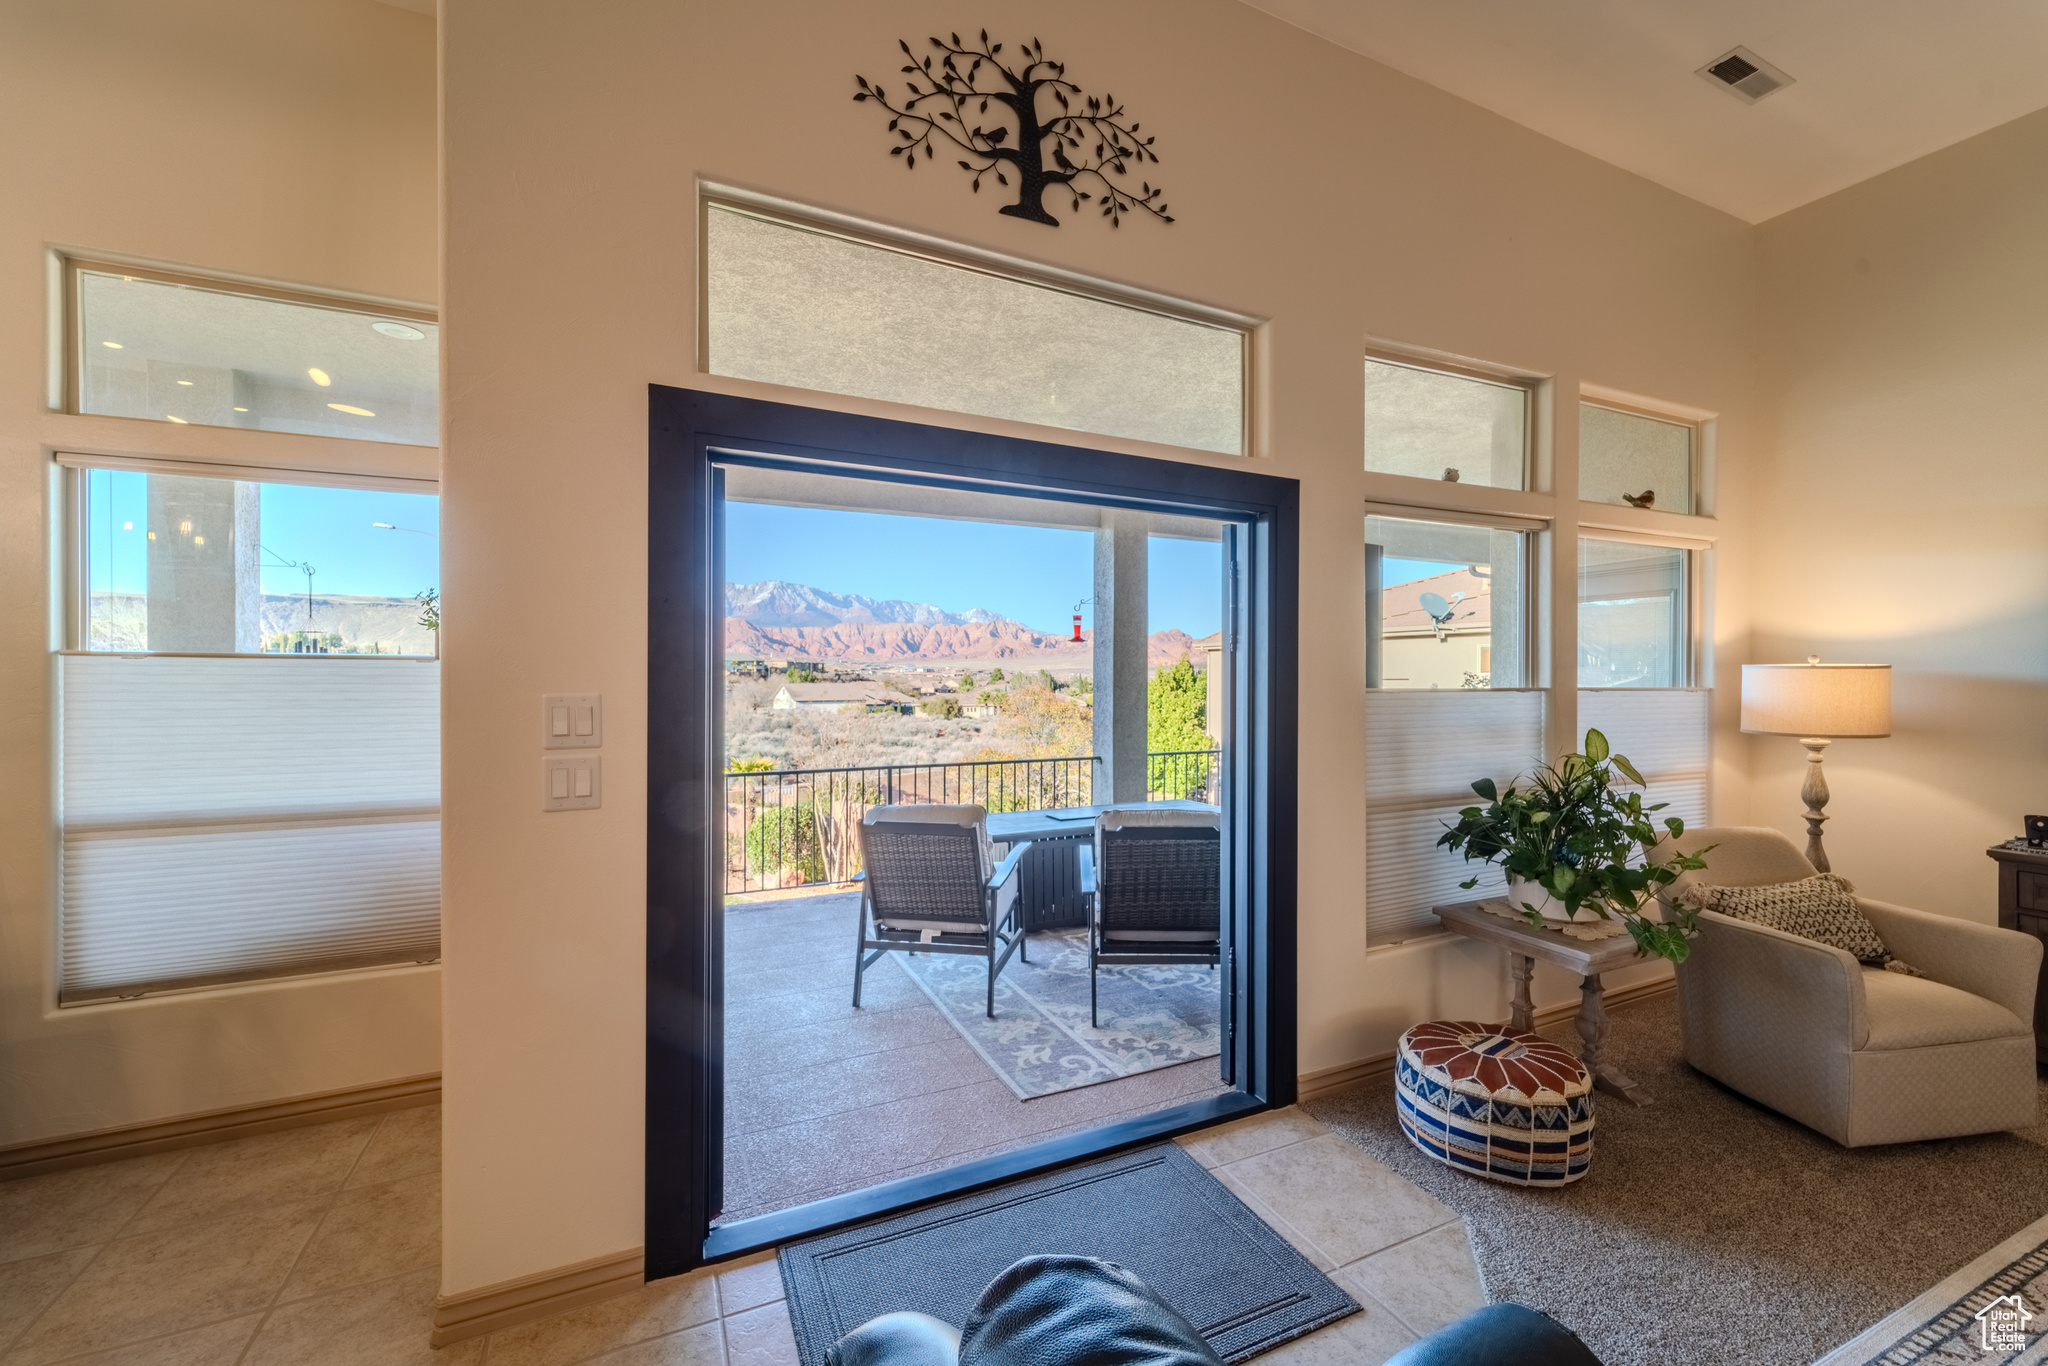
1154	879
931	885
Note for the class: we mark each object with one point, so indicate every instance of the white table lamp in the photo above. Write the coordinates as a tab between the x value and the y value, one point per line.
1816	703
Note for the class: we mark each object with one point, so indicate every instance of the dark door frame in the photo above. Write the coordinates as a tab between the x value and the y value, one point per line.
691	435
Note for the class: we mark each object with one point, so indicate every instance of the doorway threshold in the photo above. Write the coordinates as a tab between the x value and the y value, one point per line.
765	1231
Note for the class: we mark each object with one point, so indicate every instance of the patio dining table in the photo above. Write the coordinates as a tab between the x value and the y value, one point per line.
1049	878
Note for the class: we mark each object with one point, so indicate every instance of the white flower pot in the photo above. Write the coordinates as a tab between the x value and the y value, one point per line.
1535	894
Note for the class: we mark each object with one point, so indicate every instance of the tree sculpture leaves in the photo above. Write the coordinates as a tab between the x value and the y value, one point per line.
1081	140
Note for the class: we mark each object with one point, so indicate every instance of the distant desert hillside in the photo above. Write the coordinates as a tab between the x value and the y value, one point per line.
910	642
119	620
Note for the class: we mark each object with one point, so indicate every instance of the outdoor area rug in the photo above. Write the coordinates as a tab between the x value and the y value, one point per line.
1041	1042
1711	1231
1153	1211
1993	1312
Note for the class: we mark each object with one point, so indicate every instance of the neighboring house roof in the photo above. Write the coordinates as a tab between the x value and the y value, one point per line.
1210	642
1402	614
840	695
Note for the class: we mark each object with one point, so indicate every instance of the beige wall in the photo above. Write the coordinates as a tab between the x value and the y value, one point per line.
1313	188
293	142
1902	516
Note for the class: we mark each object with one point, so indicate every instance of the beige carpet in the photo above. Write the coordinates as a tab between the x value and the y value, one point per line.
1714	1232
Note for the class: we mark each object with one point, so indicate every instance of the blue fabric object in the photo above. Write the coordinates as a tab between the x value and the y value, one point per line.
1499	1335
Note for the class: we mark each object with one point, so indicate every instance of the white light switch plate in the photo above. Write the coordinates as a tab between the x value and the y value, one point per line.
571	720
572	783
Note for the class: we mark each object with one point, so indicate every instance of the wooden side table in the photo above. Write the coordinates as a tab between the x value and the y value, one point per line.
2023	906
1587	957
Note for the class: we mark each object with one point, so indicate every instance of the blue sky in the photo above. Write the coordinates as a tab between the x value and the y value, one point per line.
331	529
1033	575
1394	571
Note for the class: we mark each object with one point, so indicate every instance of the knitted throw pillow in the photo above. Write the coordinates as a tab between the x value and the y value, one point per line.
1821	908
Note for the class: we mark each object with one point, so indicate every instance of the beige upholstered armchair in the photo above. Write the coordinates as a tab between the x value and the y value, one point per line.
1863	1055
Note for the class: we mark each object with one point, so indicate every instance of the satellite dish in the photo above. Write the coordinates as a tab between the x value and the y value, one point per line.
1435	605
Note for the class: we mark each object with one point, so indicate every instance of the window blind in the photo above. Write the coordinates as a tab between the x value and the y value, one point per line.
229	818
1663	732
1423	751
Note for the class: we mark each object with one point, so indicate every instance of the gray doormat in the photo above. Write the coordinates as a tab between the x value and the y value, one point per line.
1154	1211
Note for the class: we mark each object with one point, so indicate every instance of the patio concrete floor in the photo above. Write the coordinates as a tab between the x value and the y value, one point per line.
821	1098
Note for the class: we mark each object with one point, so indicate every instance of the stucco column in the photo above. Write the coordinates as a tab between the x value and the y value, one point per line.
204	590
1120	656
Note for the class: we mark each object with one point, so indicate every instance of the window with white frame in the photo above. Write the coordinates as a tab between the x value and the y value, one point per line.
250	734
1447	702
1635	669
1637	459
176	348
847	312
1436	424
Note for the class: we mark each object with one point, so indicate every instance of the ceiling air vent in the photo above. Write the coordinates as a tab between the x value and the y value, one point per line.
1745	75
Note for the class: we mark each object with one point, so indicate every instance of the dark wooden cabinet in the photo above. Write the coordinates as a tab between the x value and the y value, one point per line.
2023	906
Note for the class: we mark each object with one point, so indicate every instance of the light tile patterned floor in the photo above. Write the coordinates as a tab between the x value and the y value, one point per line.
320	1247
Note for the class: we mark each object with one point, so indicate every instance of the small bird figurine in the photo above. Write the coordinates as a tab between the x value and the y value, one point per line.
1450	475
1646	498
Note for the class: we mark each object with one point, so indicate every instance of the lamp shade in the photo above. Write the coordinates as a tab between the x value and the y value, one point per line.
1821	701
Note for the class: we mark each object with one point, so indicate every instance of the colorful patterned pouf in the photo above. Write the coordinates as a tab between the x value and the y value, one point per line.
1484	1099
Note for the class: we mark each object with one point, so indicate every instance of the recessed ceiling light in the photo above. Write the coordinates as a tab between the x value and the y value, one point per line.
199	540
241	410
185	527
399	330
319	377
179	420
186	382
114	346
152	535
351	408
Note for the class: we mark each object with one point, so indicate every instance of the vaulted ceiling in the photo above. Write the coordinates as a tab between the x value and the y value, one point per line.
1877	82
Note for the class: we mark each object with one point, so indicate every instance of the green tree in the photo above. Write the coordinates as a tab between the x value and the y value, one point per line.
966	682
995	675
757	764
803	676
1176	705
1051	684
945	708
1084	686
786	837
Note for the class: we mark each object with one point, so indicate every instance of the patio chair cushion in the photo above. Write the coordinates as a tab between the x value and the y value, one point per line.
1156	818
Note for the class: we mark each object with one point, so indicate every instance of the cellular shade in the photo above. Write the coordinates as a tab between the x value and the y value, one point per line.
1819	700
1423	751
789	305
1663	732
242	817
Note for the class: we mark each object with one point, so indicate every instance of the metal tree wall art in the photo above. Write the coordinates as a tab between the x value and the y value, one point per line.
1045	133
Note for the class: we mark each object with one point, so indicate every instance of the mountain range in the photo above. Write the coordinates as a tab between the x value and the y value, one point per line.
773	602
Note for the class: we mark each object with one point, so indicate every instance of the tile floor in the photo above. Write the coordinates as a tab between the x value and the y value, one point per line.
810	1080
320	1247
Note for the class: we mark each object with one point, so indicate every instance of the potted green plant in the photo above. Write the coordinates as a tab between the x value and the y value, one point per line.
1570	843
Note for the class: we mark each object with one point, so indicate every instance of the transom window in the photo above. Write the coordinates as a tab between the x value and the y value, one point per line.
798	304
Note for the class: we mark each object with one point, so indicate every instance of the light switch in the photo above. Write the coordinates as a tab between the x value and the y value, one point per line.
572	720
571	783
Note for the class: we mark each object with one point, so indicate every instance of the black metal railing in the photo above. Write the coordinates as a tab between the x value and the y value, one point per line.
1193	774
793	827
790	827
